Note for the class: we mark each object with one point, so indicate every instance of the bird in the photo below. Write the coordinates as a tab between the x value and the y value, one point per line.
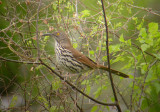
72	60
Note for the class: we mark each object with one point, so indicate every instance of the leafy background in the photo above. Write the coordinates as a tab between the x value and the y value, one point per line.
134	40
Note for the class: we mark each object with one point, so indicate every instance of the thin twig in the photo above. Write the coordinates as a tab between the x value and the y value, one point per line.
143	85
108	59
145	9
16	61
37	32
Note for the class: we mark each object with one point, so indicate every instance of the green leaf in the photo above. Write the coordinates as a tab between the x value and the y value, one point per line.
75	45
99	90
39	67
157	87
46	38
54	6
143	33
94	108
91	52
153	28
144	67
103	48
85	82
144	103
100	19
56	85
129	42
52	109
113	99
44	100
149	41
144	47
119	58
131	76
104	58
88	89
119	24
85	13
121	39
127	111
13	101
140	25
114	48
99	3
141	40
157	56
135	19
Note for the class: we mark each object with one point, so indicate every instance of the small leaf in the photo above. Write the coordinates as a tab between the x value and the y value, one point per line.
88	89
99	90
54	6
140	25
99	3
157	56
129	42
113	99
127	111
75	45
91	52
85	13
103	48
85	82
94	108
104	58
153	28
143	33
144	103
131	76
144	47
135	19
121	39
13	101
52	109
39	67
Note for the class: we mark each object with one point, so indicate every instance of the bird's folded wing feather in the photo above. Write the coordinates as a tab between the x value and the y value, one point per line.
88	62
83	59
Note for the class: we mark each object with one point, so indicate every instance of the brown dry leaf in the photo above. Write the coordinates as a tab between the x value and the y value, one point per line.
27	2
51	28
21	20
41	33
45	21
34	38
32	68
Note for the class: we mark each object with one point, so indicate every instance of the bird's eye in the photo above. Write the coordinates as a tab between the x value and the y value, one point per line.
58	34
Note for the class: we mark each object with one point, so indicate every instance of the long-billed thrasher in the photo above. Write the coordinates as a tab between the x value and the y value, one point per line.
71	59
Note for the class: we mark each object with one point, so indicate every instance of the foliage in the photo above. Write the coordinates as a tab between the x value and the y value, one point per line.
134	40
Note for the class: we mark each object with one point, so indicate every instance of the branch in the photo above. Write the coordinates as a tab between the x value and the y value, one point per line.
16	61
145	9
143	85
108	59
144	51
37	33
75	88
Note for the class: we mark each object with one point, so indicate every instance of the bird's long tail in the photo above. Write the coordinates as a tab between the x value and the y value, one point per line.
113	71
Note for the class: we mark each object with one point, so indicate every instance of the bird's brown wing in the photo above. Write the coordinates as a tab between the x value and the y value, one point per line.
88	62
83	59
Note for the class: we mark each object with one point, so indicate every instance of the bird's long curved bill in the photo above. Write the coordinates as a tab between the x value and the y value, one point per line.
47	34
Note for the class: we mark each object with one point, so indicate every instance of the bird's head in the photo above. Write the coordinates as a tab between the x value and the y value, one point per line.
60	37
